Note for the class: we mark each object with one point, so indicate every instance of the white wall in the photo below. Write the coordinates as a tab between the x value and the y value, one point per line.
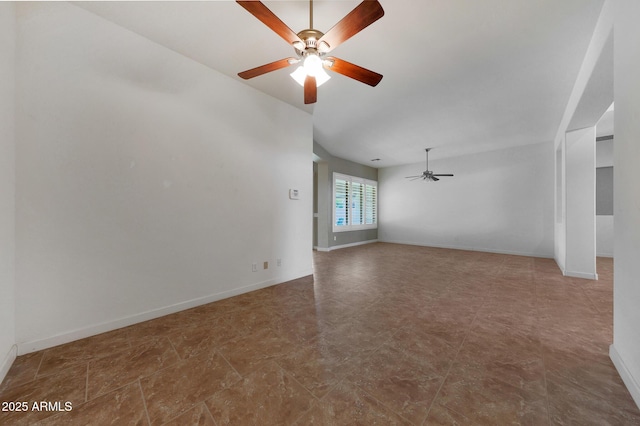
604	127
560	224
587	90
625	351
580	178
604	223
604	153
604	236
7	187
146	182
499	201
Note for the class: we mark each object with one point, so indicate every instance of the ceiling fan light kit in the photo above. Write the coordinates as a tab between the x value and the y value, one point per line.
311	47
427	174
312	65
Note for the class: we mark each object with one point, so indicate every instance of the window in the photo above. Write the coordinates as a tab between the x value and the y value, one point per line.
355	203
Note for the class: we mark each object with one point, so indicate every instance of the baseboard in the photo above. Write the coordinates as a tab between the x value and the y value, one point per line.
625	375
585	275
468	248
62	338
341	246
8	362
610	255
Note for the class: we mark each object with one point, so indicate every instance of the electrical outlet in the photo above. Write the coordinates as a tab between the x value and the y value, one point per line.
254	267
334	238
265	265
279	262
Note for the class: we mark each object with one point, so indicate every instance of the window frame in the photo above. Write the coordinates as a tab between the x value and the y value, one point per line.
352	210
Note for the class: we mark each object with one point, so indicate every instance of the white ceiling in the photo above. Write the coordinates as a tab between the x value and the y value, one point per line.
462	76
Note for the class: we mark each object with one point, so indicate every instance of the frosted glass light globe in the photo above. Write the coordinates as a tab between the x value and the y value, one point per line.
312	65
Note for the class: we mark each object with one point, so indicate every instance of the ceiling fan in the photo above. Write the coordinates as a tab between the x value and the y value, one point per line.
311	46
427	175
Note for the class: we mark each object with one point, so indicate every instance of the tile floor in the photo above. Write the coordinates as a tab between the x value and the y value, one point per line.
382	334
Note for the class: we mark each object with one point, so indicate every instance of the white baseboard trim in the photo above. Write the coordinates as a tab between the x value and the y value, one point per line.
632	385
466	248
358	243
8	362
92	330
604	255
585	275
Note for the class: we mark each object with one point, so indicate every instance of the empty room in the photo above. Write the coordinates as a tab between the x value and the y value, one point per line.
328	212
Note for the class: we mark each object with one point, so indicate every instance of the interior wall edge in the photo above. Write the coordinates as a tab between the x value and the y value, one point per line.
95	329
8	362
626	268
341	246
8	37
578	274
470	248
632	385
601	33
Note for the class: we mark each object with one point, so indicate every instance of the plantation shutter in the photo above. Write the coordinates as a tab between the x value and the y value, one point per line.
342	202
371	205
357	203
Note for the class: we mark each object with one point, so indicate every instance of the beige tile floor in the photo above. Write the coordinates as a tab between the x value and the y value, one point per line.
381	334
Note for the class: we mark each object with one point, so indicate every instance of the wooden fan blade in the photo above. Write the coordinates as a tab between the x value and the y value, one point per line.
310	90
435	179
441	175
263	69
365	14
262	12
353	71
410	177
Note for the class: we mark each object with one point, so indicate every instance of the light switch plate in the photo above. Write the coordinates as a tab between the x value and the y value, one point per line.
293	194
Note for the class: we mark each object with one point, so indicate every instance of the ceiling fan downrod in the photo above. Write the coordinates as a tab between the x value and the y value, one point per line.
311	38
